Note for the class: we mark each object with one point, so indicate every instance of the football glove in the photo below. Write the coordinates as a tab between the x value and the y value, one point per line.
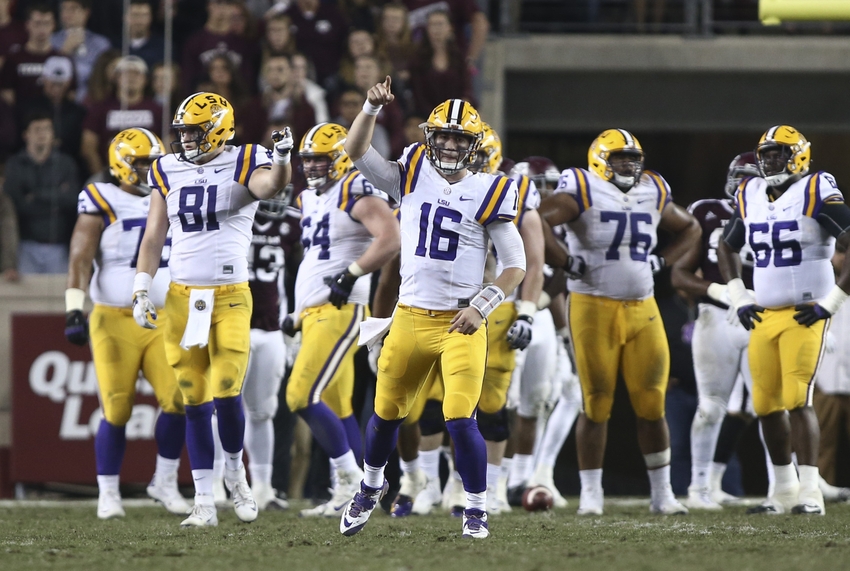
748	314
519	335
575	267
289	327
142	307
809	314
341	286
283	144
76	327
656	263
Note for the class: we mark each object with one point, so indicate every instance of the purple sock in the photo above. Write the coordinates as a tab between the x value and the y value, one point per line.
231	423
355	438
199	436
470	453
327	429
381	438
170	434
109	445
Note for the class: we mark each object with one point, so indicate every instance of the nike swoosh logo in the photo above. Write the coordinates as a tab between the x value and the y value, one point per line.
234	304
464	199
345	522
644	200
199	479
500	321
318	320
652	318
216	171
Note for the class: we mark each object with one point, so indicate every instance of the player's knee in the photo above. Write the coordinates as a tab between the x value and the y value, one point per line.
765	406
266	409
431	421
494	427
492	401
712	410
597	407
648	404
118	408
533	402
295	399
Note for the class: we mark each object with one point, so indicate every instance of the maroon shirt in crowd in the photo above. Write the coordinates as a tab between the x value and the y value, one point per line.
203	46
321	38
22	71
12	34
299	115
460	12
271	244
431	87
106	119
392	118
712	215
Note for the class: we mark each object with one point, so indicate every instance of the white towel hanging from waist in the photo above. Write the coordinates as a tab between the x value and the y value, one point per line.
200	318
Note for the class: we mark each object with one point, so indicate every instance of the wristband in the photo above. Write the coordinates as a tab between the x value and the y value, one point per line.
717	291
738	293
563	332
833	300
544	301
528	308
355	270
281	159
487	300
370	109
142	282
74	299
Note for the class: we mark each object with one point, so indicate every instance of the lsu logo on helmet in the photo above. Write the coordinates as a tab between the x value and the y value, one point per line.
452	117
783	152
204	122
488	158
132	150
611	142
325	140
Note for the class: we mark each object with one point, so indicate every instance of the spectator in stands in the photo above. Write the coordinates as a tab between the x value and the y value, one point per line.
102	80
394	41
9	239
12	32
223	78
438	72
360	43
832	390
282	101
74	40
359	14
462	14
320	32
22	70
131	108
367	73
348	110
216	38
242	24
165	80
278	38
413	133
43	185
304	74
8	125
143	42
57	102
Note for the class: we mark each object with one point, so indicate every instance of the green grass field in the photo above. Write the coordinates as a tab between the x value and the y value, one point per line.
627	537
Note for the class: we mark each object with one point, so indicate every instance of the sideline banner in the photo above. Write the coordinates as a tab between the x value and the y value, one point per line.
55	410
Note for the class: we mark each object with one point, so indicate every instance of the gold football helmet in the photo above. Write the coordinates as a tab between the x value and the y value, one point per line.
458	118
325	140
130	154
488	158
616	141
204	122
793	158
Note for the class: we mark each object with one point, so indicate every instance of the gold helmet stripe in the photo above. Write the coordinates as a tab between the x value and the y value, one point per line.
771	133
308	138
455	114
182	109
154	141
630	142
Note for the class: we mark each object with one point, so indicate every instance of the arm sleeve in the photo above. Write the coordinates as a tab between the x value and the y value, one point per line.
383	174
834	216
734	233
508	243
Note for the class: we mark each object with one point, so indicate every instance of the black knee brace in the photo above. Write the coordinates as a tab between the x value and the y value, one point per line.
495	426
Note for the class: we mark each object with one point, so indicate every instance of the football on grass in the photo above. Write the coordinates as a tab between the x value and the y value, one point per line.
537	499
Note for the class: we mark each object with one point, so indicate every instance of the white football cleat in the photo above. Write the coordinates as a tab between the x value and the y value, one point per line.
700	499
219	493
428	498
664	502
454	496
266	498
591	501
347	484
203	513
411	485
475	524
165	491
718	496
810	503
832	493
779	503
109	504
243	501
357	512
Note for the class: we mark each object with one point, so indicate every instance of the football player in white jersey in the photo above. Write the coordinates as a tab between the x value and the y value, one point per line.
450	214
348	230
791	220
207	193
109	228
612	212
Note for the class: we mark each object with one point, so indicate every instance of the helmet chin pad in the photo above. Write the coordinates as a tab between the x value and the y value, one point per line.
624	183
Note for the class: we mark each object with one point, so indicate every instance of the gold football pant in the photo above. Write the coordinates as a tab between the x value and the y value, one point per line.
501	359
784	359
431	390
611	336
324	368
218	369
419	339
120	348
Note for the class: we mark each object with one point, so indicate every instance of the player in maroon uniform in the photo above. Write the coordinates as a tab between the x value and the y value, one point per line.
719	345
